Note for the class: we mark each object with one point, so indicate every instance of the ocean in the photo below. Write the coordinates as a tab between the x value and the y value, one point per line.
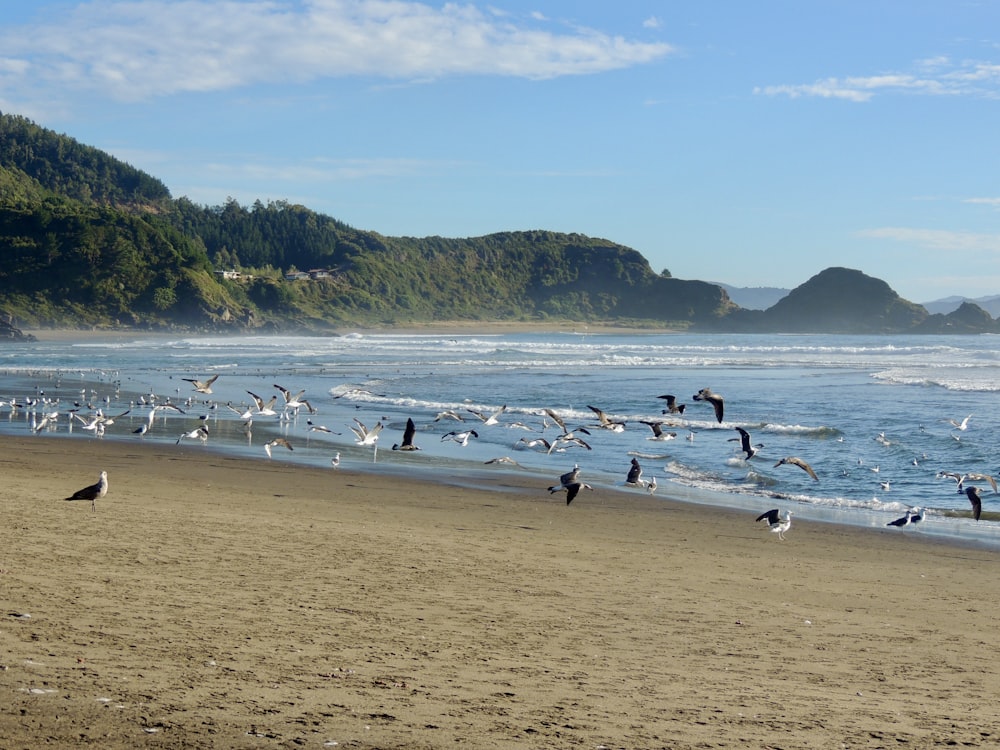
875	416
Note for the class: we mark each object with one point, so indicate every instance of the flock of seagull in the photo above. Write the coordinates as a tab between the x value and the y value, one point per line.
291	403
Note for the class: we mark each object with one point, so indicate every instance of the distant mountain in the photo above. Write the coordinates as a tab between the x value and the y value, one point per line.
753	297
947	305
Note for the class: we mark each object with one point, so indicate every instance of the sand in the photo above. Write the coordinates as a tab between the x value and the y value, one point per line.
211	602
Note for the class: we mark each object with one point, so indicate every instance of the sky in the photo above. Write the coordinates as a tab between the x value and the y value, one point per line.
750	143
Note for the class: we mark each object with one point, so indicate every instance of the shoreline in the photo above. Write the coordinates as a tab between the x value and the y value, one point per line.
442	328
213	601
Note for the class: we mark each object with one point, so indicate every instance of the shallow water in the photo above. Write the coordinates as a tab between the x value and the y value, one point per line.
863	411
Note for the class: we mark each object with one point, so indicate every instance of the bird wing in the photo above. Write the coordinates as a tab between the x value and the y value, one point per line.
984	478
634	473
556	418
977	504
409	432
770	515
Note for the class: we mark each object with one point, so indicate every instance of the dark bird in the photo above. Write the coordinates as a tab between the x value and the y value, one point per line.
408	433
93	492
796	461
605	422
201	387
750	450
634	474
778	524
972	492
705	394
672	406
658	433
902	521
570	476
572	489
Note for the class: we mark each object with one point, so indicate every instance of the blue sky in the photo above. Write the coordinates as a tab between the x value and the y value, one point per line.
752	143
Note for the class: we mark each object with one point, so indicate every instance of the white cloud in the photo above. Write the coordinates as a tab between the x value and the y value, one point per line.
139	49
651	23
938	239
992	202
937	77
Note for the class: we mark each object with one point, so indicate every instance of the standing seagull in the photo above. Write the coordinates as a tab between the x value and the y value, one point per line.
778	524
200	387
408	433
903	520
705	394
335	461
796	461
972	492
93	492
634	477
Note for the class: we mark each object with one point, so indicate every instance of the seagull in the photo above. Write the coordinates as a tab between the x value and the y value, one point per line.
200	387
364	435
796	461
335	461
605	422
568	439
658	433
460	437
917	515
276	441
493	418
972	492
319	428
502	460
533	443
264	409
448	414
651	487
672	406
245	414
750	450
902	521
201	433
982	478
572	489
562	425
705	394
570	476
93	492
294	401
961	426
778	524
634	474
408	433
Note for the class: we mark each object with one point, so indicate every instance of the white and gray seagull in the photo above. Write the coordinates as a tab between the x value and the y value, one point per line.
776	523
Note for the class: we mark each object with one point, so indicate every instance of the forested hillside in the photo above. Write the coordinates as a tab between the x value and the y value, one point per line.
87	239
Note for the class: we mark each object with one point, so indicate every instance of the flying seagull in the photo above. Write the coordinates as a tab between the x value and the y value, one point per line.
294	401
460	436
570	476
264	408
796	461
408	433
963	425
93	492
201	387
572	489
672	406
493	418
750	450
200	432
972	492
605	422
364	435
658	433
276	441
705	394
778	524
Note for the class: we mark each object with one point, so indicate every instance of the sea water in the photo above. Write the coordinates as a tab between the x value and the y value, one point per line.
875	416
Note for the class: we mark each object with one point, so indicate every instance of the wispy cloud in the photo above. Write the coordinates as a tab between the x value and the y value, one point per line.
937	239
937	76
991	202
139	49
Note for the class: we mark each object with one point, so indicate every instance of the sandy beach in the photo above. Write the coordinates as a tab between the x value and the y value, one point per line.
212	602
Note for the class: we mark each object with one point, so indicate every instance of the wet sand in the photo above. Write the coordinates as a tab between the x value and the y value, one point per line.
212	602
